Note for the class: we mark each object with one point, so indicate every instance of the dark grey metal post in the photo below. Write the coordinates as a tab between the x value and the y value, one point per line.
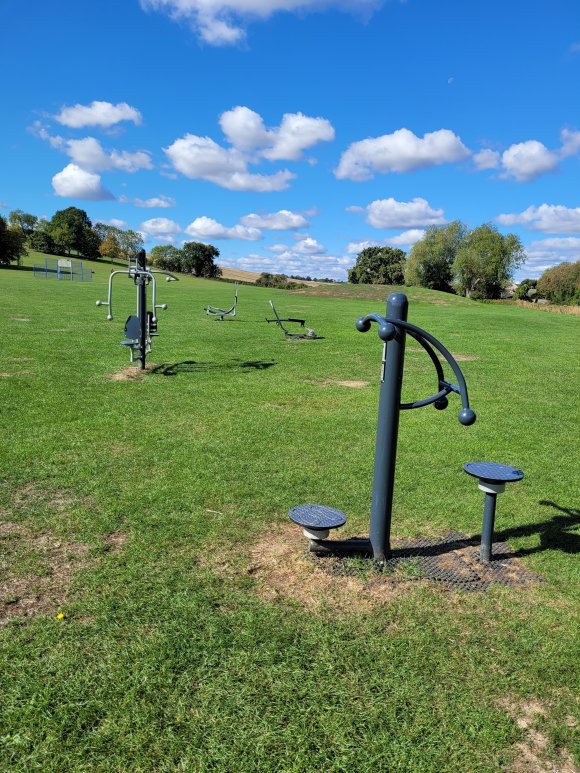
141	283
487	527
387	431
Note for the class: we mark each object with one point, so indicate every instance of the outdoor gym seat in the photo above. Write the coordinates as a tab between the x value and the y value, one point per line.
492	481
214	311
278	321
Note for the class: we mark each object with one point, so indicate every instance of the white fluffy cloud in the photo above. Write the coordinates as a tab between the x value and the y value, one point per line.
525	161
208	228
161	228
283	220
200	158
390	213
89	154
77	183
219	22
549	218
407	238
251	141
103	114
308	246
401	151
246	131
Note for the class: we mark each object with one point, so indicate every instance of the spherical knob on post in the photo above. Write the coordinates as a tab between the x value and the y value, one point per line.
387	331
441	404
363	325
466	417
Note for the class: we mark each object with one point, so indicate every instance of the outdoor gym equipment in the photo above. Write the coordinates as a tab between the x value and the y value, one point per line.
213	311
318	520
492	481
139	329
289	334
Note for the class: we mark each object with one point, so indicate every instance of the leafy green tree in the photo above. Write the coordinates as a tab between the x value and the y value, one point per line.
130	242
166	257
72	229
526	290
430	261
485	262
378	265
198	259
280	281
19	219
40	239
561	283
12	243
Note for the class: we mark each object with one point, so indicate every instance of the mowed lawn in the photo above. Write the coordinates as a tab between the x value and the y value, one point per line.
137	633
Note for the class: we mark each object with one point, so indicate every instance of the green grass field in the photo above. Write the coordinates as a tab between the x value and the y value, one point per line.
129	509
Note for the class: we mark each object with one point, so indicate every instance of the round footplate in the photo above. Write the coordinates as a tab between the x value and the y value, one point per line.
317	517
493	473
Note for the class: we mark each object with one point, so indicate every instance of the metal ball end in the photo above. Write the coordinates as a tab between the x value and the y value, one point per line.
109	317
387	331
466	417
99	303
363	325
441	404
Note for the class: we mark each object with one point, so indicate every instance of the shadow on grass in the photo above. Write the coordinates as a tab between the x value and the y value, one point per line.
555	534
17	268
191	366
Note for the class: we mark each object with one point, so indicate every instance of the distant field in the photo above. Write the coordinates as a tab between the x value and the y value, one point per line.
251	276
157	610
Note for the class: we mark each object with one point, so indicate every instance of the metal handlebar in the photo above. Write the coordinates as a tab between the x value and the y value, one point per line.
388	330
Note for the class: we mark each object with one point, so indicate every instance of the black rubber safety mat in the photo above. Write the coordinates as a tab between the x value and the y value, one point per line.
452	560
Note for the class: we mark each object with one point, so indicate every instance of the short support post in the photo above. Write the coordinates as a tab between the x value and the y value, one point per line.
387	431
493	478
487	526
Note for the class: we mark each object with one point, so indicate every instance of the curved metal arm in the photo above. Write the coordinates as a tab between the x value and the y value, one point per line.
109	301
149	275
388	330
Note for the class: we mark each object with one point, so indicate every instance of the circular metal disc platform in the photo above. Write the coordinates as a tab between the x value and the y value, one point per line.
493	473
317	516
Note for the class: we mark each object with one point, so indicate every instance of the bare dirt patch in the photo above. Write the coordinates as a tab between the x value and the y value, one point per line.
116	541
36	571
32	493
283	569
331	382
531	755
130	374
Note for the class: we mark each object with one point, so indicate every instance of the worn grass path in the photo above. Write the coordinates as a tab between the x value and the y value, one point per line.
119	500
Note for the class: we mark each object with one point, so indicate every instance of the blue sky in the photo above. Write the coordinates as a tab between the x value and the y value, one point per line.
292	133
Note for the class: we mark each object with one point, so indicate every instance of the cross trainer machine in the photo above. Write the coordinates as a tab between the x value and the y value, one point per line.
139	328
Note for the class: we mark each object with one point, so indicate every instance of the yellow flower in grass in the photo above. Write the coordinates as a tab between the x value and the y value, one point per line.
60	616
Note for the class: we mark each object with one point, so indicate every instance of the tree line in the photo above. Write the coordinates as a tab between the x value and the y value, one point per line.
478	264
70	231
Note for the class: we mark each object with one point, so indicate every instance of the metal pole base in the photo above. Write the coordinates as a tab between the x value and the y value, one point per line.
342	548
